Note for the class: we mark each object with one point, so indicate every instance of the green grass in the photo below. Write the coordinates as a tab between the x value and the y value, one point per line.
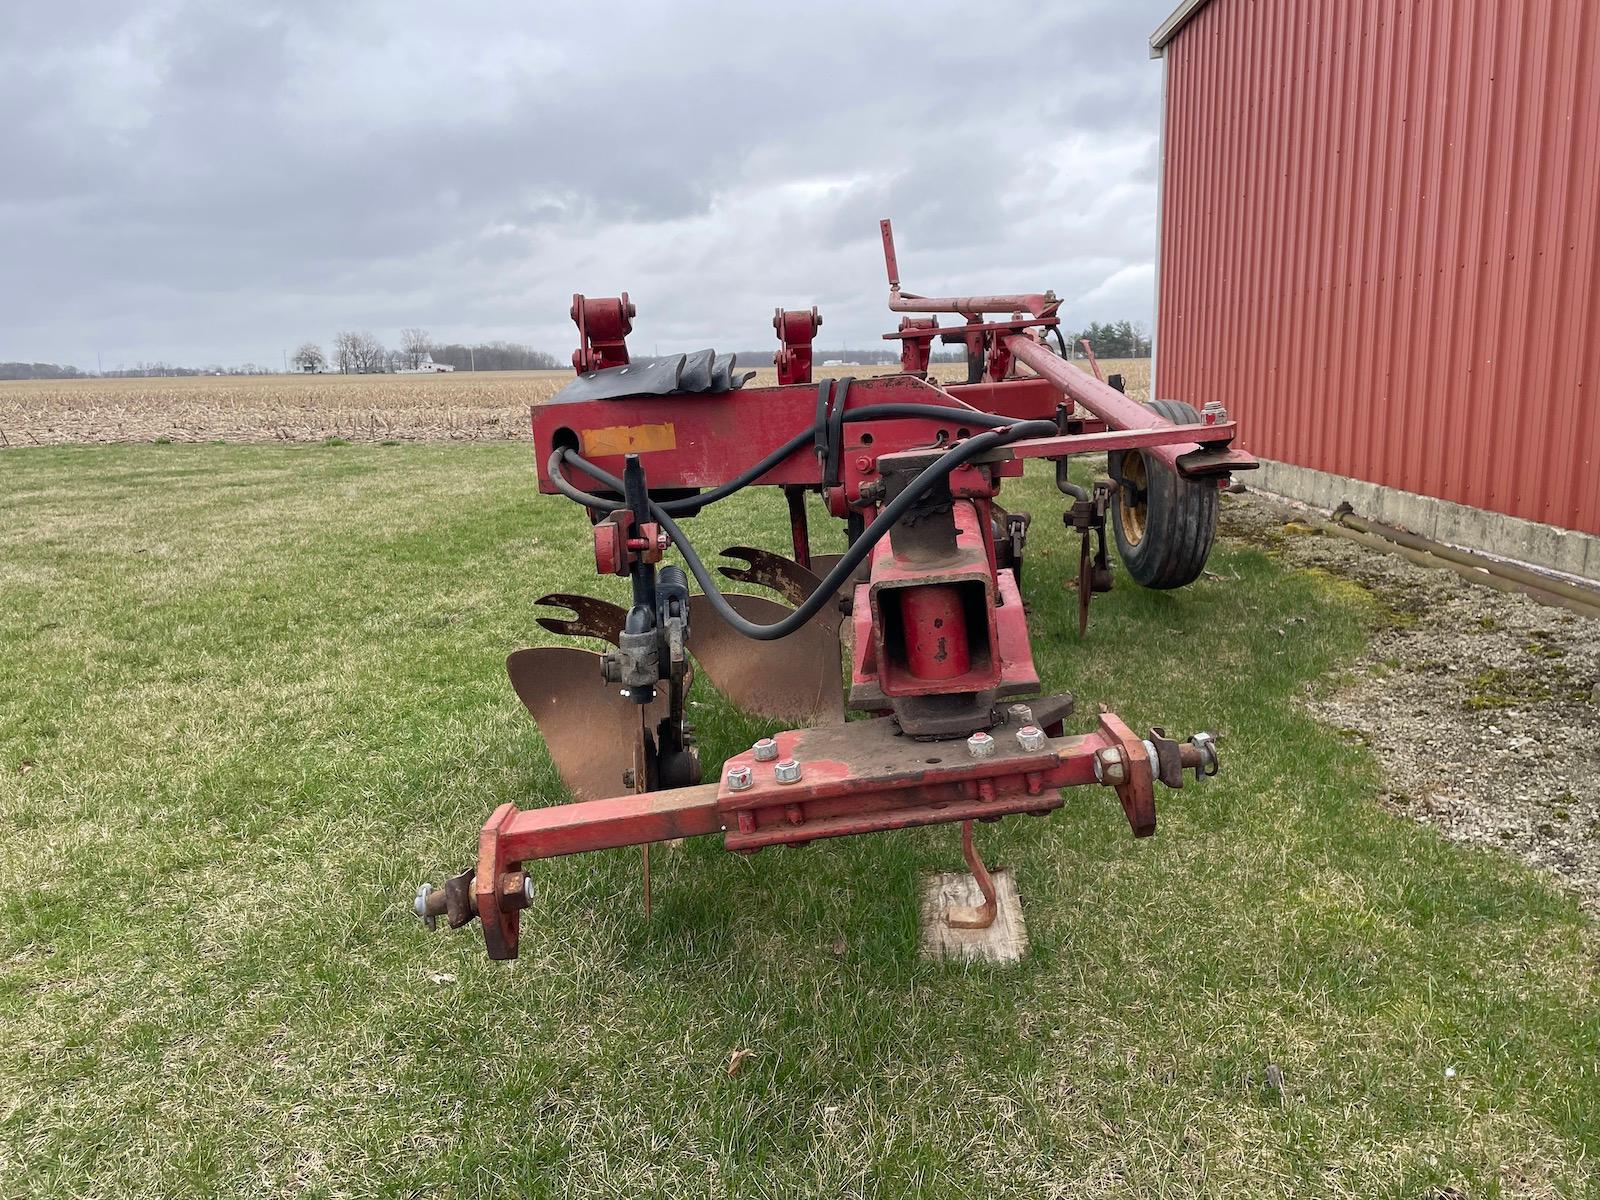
250	696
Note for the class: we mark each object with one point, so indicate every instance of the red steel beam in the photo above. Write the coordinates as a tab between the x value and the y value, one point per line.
1103	400
1122	439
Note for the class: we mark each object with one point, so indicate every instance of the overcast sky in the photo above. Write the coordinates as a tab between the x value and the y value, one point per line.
218	182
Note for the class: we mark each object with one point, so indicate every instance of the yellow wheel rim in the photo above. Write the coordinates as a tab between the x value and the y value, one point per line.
1133	500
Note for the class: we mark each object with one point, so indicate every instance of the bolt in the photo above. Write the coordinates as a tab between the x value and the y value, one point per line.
980	745
1213	412
1030	737
527	889
1021	714
1109	767
628	778
420	906
765	750
864	462
788	771
740	778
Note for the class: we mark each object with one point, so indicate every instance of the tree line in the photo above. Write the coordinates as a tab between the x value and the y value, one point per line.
358	352
140	370
1111	339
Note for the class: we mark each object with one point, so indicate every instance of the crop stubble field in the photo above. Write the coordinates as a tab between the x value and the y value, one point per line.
464	406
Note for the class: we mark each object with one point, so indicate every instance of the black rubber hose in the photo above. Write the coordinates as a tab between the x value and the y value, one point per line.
892	512
690	505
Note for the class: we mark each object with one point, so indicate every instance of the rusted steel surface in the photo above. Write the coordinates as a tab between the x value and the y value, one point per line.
589	728
1380	242
785	576
798	678
591	617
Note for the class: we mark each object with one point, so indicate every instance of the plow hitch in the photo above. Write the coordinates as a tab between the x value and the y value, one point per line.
902	669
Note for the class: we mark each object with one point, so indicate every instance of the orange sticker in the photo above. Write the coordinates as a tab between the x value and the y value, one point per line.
627	439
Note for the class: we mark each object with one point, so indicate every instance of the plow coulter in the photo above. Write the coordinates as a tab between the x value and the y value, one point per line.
923	613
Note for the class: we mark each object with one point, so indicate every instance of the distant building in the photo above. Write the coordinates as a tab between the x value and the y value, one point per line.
426	367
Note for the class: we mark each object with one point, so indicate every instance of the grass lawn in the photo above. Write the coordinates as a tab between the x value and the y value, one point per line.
251	696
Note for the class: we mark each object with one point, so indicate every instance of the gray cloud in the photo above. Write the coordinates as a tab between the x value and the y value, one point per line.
214	182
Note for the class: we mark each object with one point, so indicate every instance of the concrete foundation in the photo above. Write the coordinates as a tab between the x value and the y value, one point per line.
1494	533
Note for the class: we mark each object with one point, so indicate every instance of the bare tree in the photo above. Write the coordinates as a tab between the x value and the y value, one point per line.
358	352
370	354
416	344
310	357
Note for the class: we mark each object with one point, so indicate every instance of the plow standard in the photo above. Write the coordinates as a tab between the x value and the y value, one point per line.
926	600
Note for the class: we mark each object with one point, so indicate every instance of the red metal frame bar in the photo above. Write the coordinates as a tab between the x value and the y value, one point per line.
1039	304
856	778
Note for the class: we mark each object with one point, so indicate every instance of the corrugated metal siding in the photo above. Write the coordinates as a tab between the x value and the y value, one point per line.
1379	243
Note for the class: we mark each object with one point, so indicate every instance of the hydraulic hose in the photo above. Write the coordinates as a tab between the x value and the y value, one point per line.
690	505
892	512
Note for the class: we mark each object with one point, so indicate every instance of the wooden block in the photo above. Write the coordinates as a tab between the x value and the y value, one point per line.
1006	941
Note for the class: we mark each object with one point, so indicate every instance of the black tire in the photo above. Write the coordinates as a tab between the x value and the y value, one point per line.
1164	524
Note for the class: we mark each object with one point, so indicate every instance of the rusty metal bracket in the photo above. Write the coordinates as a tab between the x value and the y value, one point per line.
1168	757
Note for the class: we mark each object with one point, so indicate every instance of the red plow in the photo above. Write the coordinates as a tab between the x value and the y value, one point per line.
924	611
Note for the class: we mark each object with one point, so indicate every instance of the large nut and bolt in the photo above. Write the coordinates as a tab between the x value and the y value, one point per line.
980	745
1030	737
1110	767
765	750
1213	412
788	771
1021	714
740	778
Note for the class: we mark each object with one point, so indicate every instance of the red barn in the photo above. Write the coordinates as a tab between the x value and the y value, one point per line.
1380	248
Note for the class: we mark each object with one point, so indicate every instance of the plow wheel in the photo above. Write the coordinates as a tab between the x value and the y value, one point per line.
1164	524
798	678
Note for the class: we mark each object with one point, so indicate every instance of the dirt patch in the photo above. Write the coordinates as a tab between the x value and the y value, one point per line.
1484	707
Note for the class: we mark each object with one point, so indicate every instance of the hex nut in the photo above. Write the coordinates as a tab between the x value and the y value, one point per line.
1030	737
1109	767
740	778
765	750
788	771
980	745
1021	714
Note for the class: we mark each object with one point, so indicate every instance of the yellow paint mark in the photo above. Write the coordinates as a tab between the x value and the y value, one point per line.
627	439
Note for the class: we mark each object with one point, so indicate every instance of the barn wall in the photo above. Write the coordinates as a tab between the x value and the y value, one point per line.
1379	242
